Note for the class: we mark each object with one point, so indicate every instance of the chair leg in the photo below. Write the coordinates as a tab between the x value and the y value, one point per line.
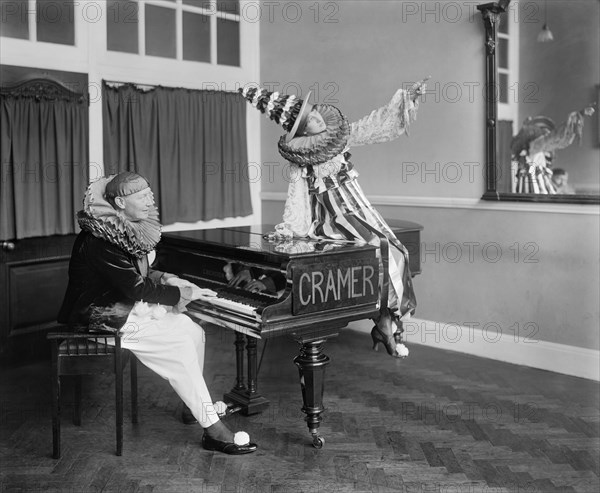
55	404
134	388
119	400
77	400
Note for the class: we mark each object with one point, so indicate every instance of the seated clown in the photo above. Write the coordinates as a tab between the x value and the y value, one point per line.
112	288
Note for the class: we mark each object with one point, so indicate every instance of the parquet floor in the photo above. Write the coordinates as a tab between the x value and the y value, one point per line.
435	422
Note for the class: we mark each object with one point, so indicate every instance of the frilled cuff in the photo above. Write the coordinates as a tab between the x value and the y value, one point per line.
386	123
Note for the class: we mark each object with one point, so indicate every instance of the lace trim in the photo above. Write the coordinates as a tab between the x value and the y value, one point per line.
101	219
386	123
560	138
318	149
297	214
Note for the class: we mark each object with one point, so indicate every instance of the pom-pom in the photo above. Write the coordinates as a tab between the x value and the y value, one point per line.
241	438
220	408
141	308
402	350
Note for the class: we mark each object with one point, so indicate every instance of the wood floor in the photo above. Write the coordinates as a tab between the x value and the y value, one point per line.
435	422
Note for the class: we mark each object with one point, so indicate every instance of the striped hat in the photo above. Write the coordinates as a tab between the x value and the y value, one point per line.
289	111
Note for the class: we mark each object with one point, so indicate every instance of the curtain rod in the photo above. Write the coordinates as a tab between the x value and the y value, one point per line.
148	87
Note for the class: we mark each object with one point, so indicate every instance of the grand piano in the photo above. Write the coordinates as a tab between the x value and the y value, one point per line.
326	285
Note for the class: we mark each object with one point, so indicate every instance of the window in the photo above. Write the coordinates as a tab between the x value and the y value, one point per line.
160	31
192	30
122	26
53	22
15	23
228	42
196	37
507	59
503	61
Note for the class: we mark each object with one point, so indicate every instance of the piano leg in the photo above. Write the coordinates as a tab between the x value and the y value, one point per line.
246	396
311	363
239	361
252	369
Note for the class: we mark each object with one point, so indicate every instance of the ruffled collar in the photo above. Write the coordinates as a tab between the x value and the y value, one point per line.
318	149
137	238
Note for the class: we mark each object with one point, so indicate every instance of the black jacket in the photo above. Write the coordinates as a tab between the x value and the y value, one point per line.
104	284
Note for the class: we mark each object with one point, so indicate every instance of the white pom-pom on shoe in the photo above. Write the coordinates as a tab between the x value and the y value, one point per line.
220	408
241	438
402	350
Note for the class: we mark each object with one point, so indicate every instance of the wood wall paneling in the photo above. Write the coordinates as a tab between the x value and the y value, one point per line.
33	279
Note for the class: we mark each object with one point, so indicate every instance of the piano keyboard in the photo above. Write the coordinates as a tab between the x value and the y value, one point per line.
235	299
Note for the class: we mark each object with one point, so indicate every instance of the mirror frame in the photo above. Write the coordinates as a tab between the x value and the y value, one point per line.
491	13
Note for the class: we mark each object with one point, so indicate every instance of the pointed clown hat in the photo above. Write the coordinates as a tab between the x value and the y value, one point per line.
289	111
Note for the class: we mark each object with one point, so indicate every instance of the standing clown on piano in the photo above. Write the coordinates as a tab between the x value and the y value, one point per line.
112	288
324	198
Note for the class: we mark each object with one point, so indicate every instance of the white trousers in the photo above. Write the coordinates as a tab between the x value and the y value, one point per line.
172	345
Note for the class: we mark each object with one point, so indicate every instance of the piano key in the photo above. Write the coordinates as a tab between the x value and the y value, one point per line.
235	299
232	305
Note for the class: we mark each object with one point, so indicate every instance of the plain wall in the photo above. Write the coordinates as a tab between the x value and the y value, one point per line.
358	62
534	272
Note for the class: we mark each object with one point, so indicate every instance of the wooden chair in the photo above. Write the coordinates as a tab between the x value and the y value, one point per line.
77	354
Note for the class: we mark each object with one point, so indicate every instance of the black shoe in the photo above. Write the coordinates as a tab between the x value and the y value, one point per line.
187	417
384	332
227	447
389	343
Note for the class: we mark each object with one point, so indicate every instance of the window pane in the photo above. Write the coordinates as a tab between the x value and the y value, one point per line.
205	4
503	24
503	53
122	26
503	88
196	37
14	19
228	42
229	6
160	31
55	22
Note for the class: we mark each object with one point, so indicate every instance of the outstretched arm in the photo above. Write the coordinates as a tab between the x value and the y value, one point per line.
564	135
390	121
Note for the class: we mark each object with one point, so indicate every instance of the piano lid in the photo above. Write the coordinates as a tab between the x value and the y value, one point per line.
252	239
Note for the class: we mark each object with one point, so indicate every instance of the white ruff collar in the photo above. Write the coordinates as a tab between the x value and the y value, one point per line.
317	149
137	238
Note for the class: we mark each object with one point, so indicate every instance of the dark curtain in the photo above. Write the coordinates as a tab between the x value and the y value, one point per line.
190	145
44	161
504	176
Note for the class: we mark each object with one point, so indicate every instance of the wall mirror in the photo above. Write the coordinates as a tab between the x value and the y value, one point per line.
542	95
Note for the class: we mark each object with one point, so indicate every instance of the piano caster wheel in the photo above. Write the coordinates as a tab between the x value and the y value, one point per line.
318	441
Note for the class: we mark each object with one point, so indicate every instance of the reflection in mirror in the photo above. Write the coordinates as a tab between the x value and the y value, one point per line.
268	282
543	141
